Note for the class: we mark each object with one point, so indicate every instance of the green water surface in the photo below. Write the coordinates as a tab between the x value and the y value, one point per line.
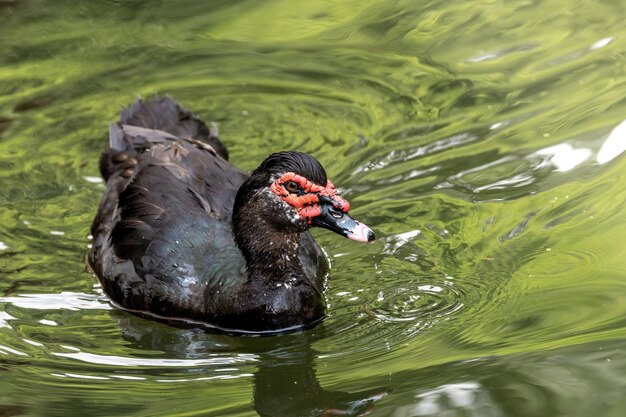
481	140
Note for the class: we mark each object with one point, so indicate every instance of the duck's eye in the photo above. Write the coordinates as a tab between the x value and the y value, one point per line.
292	186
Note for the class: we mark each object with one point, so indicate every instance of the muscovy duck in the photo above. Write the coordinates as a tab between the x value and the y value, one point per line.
181	235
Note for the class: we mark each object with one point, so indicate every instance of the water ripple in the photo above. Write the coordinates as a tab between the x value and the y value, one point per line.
123	361
422	303
64	301
483	141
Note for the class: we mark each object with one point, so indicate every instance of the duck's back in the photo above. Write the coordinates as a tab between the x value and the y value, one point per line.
165	212
162	239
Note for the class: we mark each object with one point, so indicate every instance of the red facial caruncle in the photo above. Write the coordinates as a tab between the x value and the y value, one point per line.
304	196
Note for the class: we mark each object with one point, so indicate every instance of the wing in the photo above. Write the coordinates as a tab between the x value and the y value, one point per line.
162	236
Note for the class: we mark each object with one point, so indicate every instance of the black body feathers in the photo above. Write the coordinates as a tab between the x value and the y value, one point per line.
163	243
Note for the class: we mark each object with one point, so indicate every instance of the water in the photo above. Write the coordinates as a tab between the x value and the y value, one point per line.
481	140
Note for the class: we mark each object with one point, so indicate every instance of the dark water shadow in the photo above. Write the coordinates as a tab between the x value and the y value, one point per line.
4	124
285	382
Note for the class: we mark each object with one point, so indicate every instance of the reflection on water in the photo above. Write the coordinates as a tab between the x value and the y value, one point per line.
63	300
614	145
483	141
550	383
284	383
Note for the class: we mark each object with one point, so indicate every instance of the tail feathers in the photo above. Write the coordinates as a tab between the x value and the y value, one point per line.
167	115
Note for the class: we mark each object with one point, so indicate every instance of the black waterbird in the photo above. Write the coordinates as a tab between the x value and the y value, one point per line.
181	235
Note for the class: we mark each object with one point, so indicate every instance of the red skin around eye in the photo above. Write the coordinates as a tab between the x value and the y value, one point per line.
306	204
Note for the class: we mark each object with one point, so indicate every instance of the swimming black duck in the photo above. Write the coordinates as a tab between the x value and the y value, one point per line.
183	235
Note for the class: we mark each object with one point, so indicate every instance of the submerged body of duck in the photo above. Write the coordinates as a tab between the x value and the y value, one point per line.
181	234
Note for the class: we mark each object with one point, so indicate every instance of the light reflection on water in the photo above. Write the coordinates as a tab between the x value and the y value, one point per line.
63	300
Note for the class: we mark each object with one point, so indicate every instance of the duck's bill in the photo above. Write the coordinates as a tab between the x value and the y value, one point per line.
343	224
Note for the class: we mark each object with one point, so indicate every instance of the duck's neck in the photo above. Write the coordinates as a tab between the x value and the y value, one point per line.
271	255
277	294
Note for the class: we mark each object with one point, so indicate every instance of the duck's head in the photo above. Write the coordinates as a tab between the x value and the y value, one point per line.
290	192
